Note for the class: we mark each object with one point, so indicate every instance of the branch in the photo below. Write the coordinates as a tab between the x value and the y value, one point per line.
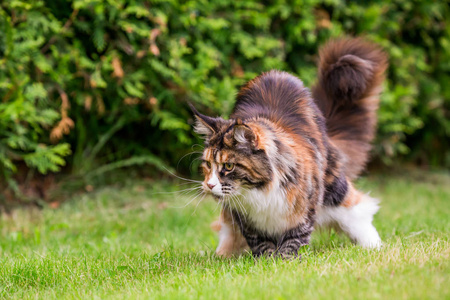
65	27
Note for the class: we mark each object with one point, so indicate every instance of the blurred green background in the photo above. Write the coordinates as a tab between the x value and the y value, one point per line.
88	87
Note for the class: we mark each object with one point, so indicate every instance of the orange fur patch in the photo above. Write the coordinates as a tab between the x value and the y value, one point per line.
353	197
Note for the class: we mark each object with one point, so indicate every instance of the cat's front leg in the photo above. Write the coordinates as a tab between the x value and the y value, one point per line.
231	241
259	244
294	239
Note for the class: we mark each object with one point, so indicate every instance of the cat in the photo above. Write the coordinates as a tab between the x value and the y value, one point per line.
283	163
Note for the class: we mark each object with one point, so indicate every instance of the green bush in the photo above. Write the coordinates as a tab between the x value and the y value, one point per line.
27	111
112	78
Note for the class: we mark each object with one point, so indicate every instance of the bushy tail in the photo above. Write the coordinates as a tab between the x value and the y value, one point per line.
351	72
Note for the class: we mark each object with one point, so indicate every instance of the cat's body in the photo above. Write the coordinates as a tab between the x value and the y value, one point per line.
284	161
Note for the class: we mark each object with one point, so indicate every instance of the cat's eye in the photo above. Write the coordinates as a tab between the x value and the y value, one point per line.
228	166
208	164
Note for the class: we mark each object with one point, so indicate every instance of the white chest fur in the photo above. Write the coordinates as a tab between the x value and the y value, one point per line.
267	212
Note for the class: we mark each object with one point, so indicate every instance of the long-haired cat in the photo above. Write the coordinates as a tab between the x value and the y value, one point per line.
284	161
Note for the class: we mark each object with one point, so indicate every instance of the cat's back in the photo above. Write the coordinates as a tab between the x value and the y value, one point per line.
279	97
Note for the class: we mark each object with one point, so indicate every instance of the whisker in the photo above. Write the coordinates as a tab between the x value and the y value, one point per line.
201	147
219	203
185	183
190	165
179	177
190	153
240	220
198	204
188	192
245	189
241	205
175	192
200	189
195	197
232	218
233	198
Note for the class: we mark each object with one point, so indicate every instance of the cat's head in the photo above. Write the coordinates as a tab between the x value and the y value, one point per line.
235	156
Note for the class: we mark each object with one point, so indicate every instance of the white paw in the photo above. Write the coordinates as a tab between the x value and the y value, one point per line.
370	243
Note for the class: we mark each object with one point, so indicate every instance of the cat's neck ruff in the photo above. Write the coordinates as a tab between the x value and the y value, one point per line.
267	211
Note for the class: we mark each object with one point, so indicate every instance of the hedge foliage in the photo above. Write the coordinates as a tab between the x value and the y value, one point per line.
101	84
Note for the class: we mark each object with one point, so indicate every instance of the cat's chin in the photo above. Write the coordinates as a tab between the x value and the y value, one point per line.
222	196
216	196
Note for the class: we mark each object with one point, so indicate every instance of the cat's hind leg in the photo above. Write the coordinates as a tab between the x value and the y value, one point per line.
354	217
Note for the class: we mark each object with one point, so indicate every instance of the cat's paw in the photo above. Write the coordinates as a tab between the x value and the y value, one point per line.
266	249
288	255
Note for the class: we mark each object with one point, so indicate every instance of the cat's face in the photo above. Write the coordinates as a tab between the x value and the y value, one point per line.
234	157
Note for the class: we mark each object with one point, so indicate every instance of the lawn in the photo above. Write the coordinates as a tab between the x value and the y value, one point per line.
145	240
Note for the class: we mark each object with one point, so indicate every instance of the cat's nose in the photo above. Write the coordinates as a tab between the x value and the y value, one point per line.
211	186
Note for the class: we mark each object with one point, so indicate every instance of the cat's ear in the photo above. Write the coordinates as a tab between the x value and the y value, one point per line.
204	125
244	135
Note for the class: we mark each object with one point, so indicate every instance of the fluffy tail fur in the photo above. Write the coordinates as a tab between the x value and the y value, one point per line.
351	72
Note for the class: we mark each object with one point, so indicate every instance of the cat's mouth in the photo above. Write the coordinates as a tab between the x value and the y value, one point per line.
224	193
228	191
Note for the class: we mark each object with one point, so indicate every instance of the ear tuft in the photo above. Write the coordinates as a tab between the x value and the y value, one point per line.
201	128
239	134
204	125
244	135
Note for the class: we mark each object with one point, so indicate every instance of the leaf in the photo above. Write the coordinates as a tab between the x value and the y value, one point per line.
132	89
98	37
35	91
47	158
97	80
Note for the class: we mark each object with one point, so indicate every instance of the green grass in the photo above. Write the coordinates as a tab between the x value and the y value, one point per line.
132	242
